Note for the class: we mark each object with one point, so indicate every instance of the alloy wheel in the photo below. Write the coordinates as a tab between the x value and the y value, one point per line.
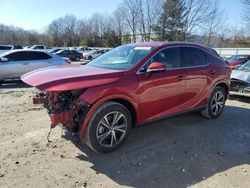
217	102
111	129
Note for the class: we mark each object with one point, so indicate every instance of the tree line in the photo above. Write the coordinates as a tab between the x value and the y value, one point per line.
139	20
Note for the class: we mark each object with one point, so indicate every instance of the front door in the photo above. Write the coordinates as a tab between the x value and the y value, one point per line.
162	93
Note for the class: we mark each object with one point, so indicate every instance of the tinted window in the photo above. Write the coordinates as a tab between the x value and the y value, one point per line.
191	57
39	47
5	47
65	52
18	47
17	56
38	56
169	56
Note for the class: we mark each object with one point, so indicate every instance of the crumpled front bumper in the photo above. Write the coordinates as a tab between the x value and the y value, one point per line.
68	118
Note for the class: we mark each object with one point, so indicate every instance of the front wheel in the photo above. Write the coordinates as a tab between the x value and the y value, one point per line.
108	127
215	104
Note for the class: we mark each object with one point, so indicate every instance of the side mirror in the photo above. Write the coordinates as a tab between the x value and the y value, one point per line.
156	66
3	59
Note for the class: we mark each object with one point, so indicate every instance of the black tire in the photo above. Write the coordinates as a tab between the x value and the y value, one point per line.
215	107
96	128
77	58
90	57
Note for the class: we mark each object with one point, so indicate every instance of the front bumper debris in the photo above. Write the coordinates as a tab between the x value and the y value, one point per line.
61	110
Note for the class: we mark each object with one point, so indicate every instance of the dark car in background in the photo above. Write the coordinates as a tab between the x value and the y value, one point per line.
235	60
73	55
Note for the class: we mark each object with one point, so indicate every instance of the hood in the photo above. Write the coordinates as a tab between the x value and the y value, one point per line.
70	77
241	75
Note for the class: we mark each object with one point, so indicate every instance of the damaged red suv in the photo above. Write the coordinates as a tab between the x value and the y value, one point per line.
131	85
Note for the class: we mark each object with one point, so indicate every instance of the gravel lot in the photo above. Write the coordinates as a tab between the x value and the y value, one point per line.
184	151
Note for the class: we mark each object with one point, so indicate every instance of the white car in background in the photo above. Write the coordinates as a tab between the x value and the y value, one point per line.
90	55
5	48
38	47
15	63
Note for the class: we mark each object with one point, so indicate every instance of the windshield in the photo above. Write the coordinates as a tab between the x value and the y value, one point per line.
123	57
237	58
245	67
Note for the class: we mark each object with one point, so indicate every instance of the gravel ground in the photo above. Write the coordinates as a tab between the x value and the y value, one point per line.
183	151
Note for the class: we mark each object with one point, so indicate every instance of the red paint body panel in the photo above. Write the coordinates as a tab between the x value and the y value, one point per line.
70	77
158	95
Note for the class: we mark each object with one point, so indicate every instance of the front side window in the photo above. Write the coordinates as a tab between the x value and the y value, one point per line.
123	57
17	56
192	57
169	56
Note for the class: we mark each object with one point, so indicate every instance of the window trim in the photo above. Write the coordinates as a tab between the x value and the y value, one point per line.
140	72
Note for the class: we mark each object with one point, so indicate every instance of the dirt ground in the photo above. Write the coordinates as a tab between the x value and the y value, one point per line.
184	151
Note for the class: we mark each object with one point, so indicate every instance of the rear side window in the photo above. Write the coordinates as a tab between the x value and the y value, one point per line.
17	56
5	47
38	56
192	57
169	56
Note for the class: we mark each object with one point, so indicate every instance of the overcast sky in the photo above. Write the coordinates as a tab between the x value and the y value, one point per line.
37	14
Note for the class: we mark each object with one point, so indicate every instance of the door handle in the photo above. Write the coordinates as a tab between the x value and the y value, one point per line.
25	63
180	77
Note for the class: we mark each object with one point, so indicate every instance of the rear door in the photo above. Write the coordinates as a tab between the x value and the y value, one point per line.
37	60
162	93
195	67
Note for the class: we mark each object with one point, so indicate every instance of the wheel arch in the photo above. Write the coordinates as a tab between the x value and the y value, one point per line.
122	99
129	106
223	85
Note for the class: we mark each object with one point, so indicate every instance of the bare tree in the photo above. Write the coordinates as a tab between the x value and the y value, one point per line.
129	9
149	12
215	23
196	16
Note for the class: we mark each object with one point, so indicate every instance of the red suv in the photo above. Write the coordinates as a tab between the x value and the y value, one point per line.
131	85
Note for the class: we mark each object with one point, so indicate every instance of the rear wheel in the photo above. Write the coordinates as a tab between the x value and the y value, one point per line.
215	104
108	127
90	57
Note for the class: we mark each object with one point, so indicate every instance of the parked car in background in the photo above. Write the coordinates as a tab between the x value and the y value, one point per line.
102	51
15	63
73	55
91	55
132	85
54	50
83	49
237	60
5	48
38	47
240	80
